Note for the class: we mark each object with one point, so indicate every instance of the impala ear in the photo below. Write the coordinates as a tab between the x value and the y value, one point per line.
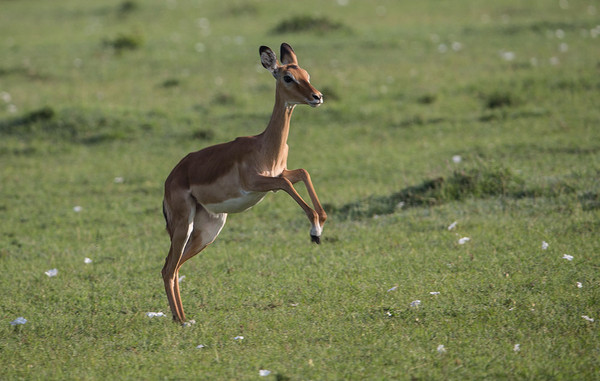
268	59
287	55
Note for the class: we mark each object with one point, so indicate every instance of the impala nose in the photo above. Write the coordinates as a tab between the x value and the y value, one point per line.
318	97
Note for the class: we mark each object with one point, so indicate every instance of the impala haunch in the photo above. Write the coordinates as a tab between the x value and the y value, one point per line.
231	177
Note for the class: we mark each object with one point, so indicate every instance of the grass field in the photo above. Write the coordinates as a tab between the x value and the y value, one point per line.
477	116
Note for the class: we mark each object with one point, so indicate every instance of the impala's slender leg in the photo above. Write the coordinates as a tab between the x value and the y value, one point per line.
206	228
180	229
265	184
296	175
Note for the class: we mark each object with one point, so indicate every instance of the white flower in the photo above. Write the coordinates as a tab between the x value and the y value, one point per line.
264	372
456	159
87	261
507	56
77	209
587	318
388	313
155	314
567	257
456	46
452	226
52	272
393	289
238	338
579	285
463	240
517	347
434	293
415	303
441	349
200	346
181	278
189	323
19	321
5	97
119	180
545	245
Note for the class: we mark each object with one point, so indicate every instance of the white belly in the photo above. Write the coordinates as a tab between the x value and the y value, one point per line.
238	204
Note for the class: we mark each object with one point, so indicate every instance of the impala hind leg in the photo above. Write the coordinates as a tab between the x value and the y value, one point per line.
206	228
180	225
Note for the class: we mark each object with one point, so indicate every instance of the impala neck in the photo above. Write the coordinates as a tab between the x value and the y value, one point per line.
277	131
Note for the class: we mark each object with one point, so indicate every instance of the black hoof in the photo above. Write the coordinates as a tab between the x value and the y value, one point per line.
315	239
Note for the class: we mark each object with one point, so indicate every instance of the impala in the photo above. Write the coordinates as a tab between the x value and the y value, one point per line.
232	177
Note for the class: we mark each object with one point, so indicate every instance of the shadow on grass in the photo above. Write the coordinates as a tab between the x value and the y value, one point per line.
470	183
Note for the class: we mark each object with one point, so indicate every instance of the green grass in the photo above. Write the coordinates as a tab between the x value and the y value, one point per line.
95	91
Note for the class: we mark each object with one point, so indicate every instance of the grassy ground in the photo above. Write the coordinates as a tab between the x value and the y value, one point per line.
100	100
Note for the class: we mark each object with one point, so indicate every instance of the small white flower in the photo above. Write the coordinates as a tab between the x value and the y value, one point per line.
5	97
155	314
181	278
434	293
238	338
200	48
87	261
441	348
77	209
456	159
456	46
200	346
52	272
560	33
579	285
189	323
388	313
563	47
19	321
507	56
545	245
119	180
463	240
517	347
587	318
393	289
452	226
415	303
264	372
567	257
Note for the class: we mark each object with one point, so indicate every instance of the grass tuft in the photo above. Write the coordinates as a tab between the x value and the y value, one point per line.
124	42
499	99
473	183
127	7
306	23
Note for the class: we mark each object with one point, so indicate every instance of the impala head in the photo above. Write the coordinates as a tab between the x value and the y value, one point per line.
293	82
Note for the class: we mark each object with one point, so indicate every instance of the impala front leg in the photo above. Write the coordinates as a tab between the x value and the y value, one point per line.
302	175
266	184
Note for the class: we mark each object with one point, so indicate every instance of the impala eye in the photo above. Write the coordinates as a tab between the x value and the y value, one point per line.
288	78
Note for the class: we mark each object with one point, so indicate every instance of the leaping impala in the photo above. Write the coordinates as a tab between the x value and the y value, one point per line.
232	177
